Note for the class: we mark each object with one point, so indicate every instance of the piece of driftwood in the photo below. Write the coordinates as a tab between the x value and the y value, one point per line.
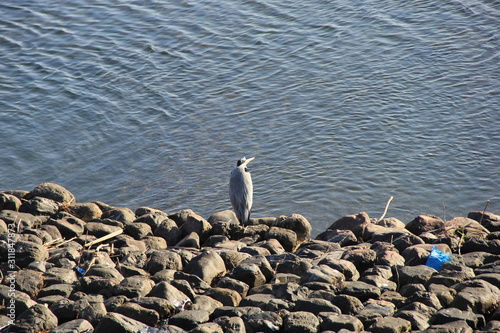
103	238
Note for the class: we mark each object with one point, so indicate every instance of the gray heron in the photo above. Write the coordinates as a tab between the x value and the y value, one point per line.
241	190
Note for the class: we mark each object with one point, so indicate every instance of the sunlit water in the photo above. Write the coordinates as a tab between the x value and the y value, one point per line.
343	103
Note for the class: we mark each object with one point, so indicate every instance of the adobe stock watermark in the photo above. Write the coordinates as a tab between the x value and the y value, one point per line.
12	272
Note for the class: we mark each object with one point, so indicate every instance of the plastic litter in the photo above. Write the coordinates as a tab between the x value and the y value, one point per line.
437	258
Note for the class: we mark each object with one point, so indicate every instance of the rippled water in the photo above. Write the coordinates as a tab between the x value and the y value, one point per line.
343	103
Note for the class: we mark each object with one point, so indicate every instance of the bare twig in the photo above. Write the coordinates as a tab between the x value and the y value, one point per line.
484	211
386	208
103	238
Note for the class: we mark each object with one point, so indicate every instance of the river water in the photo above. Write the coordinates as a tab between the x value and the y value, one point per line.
343	103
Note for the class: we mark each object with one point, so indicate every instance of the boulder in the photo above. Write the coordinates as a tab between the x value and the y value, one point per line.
348	304
52	191
9	202
124	215
68	225
489	220
231	324
189	319
226	296
264	321
315	306
424	223
134	286
300	321
297	223
168	230
362	258
449	315
40	206
414	274
342	237
167	291
477	296
163	259
361	290
84	211
136	311
390	325
118	323
356	223
35	319
195	223
207	266
74	326
337	322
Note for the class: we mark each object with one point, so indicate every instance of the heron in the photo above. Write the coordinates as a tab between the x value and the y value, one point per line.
241	190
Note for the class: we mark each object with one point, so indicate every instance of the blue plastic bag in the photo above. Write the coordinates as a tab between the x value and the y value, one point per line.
437	258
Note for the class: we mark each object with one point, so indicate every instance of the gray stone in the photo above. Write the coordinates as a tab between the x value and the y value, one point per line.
207	266
165	308
207	328
361	290
476	295
74	326
347	304
57	275
134	286
489	220
35	319
27	281
423	223
255	250
168	230
418	254
231	324
163	259
19	221
21	301
167	291
248	273
68	225
57	289
300	322
459	326
297	223
118	323
190	240
286	237
27	252
315	305
40	206
337	322
356	223
449	315
92	308
136	311
52	191
124	215
390	325
195	223
324	273
189	319
138	230
204	302
342	237
227	297
233	284
426	298
84	211
264	321
414	274
256	300
9	202
347	268
362	258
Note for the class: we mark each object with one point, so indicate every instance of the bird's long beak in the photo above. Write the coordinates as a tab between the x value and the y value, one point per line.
249	160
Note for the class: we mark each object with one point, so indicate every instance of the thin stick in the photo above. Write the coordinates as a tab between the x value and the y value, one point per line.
103	238
50	245
386	208
484	211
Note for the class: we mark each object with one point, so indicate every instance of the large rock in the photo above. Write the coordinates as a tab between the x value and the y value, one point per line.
84	211
207	265
27	252
301	321
477	296
34	320
334	322
189	319
168	230
74	326
9	202
390	325
296	222
195	223
489	220
52	191
69	225
167	291
134	286
40	206
118	323
465	227
138	312
356	223
163	259
423	223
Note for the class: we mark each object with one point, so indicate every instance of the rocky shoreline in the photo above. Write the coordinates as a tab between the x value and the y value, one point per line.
89	267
